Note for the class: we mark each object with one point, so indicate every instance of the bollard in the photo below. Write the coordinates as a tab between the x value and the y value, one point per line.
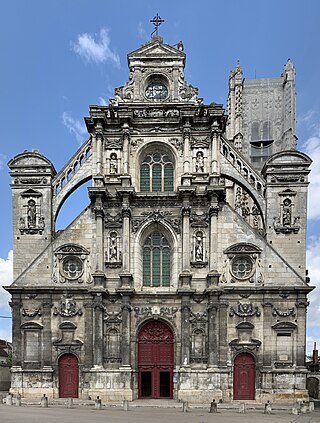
311	406
1	399
267	408
9	399
304	408
185	407
213	407
125	405
242	408
18	400
97	404
296	409
44	401
70	403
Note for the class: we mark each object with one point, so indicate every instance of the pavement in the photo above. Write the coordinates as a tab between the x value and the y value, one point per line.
84	414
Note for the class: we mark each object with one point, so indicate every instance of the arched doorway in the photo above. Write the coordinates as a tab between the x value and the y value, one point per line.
155	360
68	376
244	377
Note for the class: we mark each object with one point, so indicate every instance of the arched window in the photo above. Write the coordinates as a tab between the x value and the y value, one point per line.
156	260
266	131
255	131
156	173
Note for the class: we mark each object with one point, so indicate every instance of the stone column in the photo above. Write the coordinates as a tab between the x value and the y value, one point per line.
185	331
267	333
126	326
186	249
301	305
186	148
98	331
16	331
99	144
99	215
213	334
215	138
126	215
126	143
223	339
47	333
88	327
213	214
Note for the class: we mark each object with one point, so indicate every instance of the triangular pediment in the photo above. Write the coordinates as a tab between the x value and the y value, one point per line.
156	49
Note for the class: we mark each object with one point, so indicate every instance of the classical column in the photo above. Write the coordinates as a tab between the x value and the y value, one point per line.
213	334
213	214
99	215
215	137
126	143
47	333
126	215
185	331
223	334
267	332
301	305
16	330
126	326
186	148
186	210
99	145
88	328
98	331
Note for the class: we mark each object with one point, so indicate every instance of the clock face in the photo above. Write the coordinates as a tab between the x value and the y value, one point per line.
156	90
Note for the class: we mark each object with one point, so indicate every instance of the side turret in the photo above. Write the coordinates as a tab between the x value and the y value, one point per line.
31	187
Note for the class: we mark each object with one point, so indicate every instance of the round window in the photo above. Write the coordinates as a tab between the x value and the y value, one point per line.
241	267
72	267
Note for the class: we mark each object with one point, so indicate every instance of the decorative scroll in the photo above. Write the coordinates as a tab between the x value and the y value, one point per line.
284	313
156	216
156	331
244	310
112	316
113	221
168	312
156	113
31	312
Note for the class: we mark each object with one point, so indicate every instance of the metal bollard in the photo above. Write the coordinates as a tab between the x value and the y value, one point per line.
242	408
69	403
18	400
267	408
185	407
44	401
213	407
125	405
97	404
9	399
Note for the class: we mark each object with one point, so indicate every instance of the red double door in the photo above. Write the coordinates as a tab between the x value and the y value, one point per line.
244	377
155	360
68	376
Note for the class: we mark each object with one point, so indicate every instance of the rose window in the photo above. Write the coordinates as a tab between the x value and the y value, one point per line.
72	267
241	267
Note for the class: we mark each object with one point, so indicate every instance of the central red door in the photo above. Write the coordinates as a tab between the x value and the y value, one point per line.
155	360
244	377
68	376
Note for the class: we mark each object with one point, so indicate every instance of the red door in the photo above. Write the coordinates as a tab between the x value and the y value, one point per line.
244	377
68	376
155	360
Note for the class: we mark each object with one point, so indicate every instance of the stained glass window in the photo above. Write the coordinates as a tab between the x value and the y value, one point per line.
156	173
156	261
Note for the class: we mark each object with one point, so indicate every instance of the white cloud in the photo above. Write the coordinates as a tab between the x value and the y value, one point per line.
6	275
3	159
312	148
95	48
313	260
142	33
75	127
102	101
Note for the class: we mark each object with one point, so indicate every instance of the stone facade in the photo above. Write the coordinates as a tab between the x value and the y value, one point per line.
186	273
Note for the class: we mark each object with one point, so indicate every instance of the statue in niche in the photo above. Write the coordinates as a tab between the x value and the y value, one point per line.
113	249
199	162
198	253
31	214
286	213
113	163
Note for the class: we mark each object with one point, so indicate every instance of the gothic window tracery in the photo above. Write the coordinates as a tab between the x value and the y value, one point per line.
156	173
72	267
156	261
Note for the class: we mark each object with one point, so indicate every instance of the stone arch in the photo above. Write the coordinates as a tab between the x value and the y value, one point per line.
144	231
151	147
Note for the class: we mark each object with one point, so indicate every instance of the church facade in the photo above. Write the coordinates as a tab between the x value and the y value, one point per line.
185	277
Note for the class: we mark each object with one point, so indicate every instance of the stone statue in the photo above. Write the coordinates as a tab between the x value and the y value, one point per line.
286	213
199	162
31	214
199	247
113	249
113	163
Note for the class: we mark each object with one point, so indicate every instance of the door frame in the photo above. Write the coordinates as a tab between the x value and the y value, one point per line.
77	374
252	384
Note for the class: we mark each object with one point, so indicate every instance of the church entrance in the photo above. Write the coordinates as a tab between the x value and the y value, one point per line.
244	377
155	360
68	376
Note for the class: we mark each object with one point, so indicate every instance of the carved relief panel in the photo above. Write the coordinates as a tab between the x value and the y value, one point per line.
71	265
31	221
287	222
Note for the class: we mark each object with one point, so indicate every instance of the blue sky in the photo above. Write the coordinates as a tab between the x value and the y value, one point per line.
59	57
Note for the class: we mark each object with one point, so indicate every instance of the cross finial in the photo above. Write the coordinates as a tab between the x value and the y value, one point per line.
156	21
